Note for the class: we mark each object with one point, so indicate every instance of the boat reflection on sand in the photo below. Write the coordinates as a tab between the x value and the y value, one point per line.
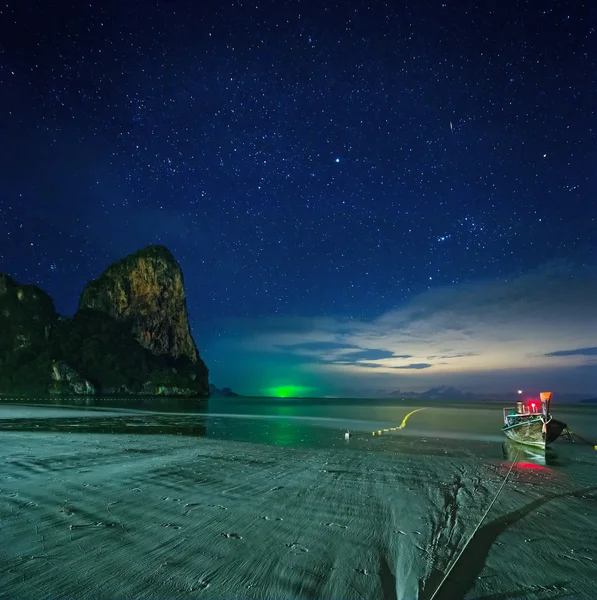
513	451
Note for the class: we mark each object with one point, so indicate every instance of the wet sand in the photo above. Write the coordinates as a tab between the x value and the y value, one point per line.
114	515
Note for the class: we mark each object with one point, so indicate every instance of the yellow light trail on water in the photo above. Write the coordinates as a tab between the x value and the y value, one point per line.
402	425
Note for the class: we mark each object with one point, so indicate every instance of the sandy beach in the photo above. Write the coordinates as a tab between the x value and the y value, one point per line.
112	515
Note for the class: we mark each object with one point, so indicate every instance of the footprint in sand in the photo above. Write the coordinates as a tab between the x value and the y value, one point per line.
295	546
200	585
232	535
96	524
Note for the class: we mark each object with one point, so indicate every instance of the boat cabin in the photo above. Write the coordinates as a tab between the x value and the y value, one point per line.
522	412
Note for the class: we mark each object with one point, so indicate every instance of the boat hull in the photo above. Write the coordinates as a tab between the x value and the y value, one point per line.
531	433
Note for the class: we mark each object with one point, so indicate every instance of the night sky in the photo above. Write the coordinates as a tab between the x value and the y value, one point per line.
363	197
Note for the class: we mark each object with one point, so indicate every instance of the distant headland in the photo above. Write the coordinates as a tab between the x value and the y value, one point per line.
220	393
130	335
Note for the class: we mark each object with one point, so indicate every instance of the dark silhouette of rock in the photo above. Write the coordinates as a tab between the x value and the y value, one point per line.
106	352
130	335
27	316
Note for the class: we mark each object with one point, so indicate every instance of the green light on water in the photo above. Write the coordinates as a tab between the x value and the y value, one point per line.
287	391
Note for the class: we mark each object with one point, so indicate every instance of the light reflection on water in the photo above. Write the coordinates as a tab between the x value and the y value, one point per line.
444	429
278	431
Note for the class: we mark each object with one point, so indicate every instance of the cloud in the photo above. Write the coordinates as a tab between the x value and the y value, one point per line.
577	352
370	354
339	351
453	355
310	347
489	332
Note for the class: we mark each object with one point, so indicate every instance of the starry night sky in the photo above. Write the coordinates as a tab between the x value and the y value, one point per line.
364	197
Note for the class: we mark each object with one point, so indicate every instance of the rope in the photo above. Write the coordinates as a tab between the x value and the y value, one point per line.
545	423
447	573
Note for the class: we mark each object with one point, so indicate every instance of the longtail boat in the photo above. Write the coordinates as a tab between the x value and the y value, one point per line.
532	424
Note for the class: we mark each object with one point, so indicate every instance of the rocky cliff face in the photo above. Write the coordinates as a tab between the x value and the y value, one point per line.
146	290
130	335
66	381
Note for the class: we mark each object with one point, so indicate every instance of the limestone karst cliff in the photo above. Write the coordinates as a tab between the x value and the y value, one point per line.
146	289
131	335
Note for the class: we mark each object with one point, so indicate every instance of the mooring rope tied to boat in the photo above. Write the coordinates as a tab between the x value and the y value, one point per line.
449	570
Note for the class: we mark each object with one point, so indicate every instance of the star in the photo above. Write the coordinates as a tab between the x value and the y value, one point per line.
221	134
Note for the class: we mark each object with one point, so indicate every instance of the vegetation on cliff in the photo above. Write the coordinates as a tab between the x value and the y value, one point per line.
105	352
141	345
27	315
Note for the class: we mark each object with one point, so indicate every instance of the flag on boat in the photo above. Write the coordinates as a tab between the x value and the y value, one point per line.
545	396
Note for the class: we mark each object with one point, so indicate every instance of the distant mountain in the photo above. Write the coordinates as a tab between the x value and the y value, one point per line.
451	393
215	392
442	392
